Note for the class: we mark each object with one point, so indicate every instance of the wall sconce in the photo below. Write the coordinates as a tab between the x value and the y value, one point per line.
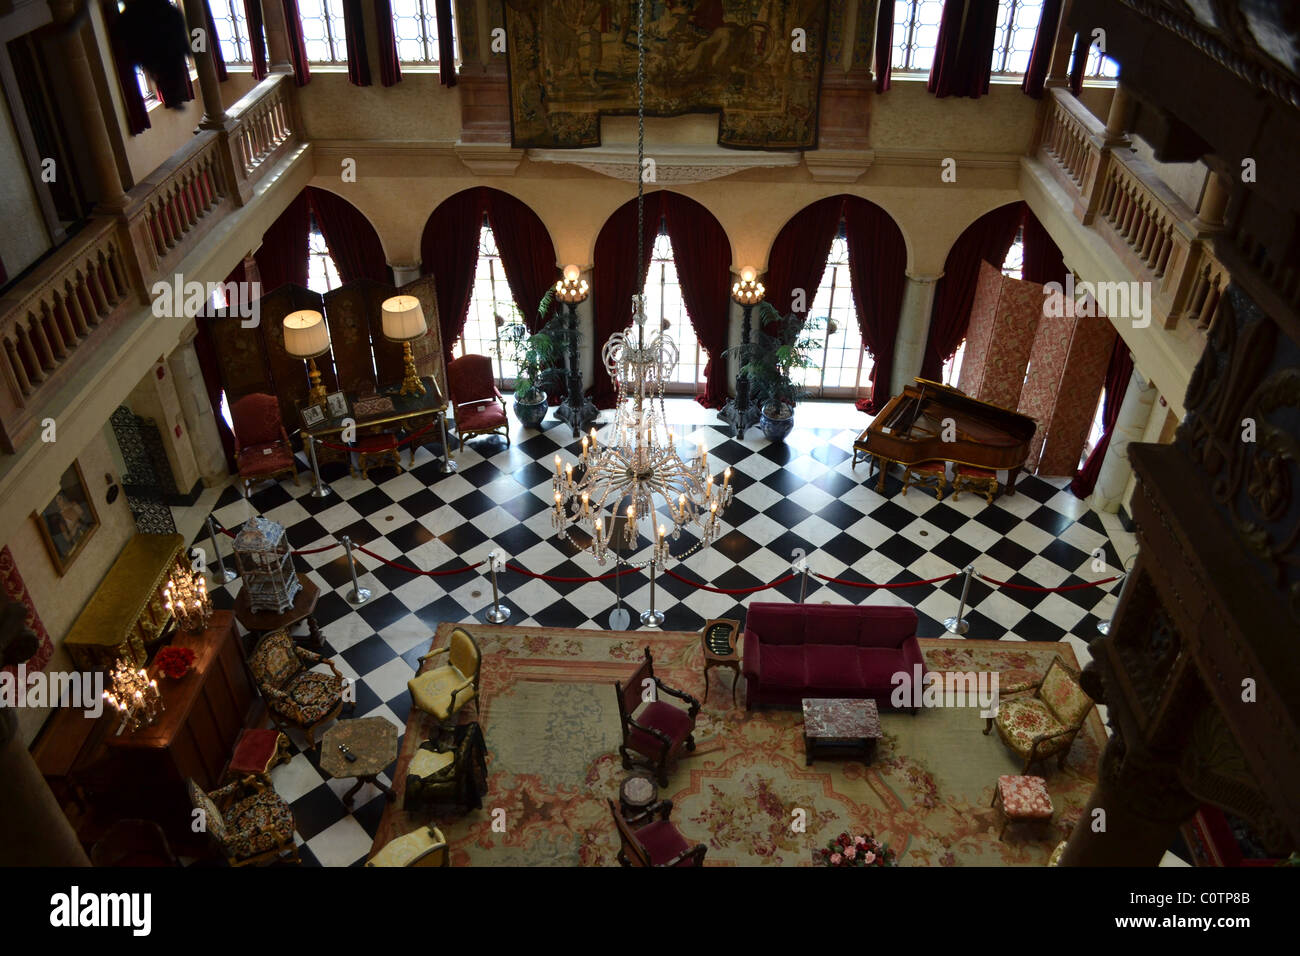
571	290
748	291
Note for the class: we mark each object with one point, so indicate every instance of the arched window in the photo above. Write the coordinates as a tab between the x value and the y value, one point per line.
1012	266
491	308
841	364
1017	25
663	304
916	33
322	30
322	274
232	30
415	25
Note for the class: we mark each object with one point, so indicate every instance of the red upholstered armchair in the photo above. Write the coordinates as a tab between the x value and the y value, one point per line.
654	731
262	448
644	841
476	404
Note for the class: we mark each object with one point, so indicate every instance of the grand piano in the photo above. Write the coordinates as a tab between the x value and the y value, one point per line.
909	430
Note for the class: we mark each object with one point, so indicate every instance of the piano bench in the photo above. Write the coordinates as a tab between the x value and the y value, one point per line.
929	474
978	480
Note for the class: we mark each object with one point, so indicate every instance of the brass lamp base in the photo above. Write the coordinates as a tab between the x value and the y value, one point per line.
316	394
411	384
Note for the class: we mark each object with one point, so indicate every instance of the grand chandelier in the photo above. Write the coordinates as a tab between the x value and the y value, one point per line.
639	478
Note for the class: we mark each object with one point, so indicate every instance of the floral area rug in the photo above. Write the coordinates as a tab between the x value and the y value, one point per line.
550	718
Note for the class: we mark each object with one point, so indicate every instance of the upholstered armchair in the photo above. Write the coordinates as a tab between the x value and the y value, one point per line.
423	847
476	404
456	774
645	841
654	734
1044	723
248	821
262	449
444	690
295	695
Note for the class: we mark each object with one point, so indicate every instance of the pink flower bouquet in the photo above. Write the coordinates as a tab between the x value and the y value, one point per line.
847	850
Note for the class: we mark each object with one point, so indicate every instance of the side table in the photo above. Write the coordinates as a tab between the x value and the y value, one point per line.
304	606
372	740
637	794
719	639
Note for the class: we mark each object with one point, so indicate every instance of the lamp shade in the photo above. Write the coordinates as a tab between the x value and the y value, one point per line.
305	334
403	318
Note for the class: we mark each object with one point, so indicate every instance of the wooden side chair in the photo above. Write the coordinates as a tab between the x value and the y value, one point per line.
979	480
654	731
249	822
926	474
645	841
1043	724
476	403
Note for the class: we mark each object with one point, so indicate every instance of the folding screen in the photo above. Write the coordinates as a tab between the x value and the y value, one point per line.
349	312
1004	318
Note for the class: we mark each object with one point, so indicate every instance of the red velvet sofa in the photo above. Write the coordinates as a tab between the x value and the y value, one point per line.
793	651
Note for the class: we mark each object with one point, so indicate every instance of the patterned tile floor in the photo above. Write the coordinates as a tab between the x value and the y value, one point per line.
800	494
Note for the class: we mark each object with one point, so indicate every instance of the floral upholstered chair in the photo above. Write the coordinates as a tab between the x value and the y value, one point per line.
1045	723
476	404
454	775
423	847
296	695
262	449
645	841
249	822
443	691
654	734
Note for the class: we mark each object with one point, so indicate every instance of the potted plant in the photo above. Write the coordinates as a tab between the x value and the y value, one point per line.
534	354
782	345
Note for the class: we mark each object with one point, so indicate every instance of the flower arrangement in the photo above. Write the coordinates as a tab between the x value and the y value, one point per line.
174	662
846	850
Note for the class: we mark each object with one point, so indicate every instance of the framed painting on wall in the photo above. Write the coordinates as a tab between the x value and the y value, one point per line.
69	520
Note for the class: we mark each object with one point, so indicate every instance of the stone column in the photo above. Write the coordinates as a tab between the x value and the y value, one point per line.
1131	425
913	329
214	111
73	40
277	37
1117	118
200	418
33	828
404	272
1058	73
1214	201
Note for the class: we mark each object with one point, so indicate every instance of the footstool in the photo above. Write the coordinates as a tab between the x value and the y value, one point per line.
256	751
927	474
375	450
979	480
1021	798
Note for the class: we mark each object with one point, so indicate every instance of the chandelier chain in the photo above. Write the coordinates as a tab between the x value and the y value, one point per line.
640	145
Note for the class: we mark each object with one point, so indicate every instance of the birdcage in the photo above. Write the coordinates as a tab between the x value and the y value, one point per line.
266	565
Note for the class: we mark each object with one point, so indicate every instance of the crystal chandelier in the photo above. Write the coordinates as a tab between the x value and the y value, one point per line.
134	696
186	597
639	478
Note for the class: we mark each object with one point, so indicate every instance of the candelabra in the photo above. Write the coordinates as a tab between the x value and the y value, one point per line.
134	696
186	596
741	412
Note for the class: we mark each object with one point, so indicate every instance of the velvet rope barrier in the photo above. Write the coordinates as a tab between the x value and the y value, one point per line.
411	570
1038	590
326	547
900	584
706	587
405	441
570	580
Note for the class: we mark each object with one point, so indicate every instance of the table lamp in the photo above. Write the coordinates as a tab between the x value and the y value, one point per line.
306	336
404	322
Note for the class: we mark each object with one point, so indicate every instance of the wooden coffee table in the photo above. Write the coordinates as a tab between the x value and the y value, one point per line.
372	740
839	726
304	606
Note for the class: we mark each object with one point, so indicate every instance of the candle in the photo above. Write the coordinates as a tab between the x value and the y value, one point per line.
568	472
600	529
726	478
662	531
631	512
584	448
708	489
557	466
681	505
585	509
704	458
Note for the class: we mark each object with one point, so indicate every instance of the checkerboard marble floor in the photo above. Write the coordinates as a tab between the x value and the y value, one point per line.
803	494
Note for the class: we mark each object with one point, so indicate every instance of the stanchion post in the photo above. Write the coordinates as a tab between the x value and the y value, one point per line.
498	613
803	584
319	489
652	618
448	466
1103	627
227	575
358	595
959	624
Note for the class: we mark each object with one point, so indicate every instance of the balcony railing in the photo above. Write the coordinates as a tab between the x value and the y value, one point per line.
76	298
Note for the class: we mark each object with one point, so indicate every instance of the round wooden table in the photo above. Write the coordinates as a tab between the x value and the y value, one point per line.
304	605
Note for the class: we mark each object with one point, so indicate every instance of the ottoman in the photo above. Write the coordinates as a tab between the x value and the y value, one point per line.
256	751
1021	798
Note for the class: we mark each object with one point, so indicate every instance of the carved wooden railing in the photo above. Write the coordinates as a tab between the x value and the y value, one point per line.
1071	145
1209	280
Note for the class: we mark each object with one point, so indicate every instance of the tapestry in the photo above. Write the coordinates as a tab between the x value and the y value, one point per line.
572	60
17	591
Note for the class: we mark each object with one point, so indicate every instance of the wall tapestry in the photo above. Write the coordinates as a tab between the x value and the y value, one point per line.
572	60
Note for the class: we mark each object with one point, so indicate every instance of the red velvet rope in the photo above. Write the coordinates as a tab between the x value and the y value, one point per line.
411	570
1038	590
405	441
555	577
900	584
705	587
328	547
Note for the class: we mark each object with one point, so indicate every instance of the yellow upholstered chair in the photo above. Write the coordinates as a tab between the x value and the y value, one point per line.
1046	723
423	847
443	691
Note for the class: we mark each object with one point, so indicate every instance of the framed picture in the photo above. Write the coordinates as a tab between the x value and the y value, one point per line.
337	404
69	520
313	415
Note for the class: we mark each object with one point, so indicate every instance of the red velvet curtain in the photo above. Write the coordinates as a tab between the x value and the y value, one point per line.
256	37
963	54
1079	63
297	46
354	32
702	255
878	271
282	258
214	44
799	252
616	278
884	44
986	239
137	114
1040	58
446	43
527	253
1118	374
352	241
449	251
1043	261
390	72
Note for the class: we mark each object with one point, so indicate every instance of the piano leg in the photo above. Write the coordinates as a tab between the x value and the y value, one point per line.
1011	481
881	465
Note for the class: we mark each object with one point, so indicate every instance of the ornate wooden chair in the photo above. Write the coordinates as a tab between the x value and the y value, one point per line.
444	690
448	775
295	695
979	480
262	449
249	822
645	841
476	403
376	451
423	847
1044	723
654	734
926	474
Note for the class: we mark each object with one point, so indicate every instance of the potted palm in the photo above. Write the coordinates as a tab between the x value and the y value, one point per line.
534	354
783	345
